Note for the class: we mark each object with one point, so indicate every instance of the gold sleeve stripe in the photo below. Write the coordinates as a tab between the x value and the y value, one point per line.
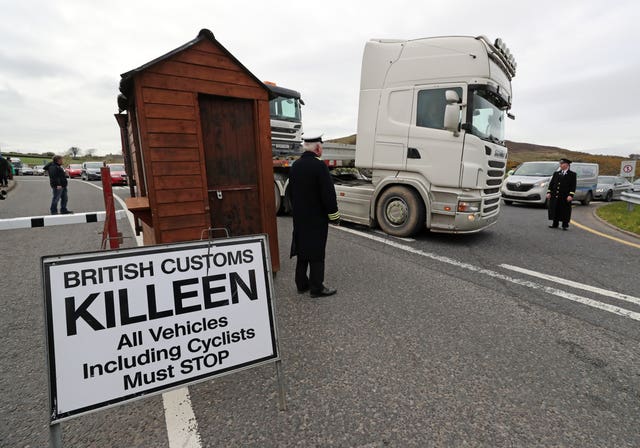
334	216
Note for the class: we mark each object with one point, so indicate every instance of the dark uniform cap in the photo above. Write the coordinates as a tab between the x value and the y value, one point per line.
565	161
312	138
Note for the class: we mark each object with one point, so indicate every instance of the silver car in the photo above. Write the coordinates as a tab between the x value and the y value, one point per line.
636	186
611	187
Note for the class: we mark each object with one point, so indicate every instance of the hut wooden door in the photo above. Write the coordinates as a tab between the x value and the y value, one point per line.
228	134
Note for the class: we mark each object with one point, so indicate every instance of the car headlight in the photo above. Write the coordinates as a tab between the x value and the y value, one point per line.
541	184
599	190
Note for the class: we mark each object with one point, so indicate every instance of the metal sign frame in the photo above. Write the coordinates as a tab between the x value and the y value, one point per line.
83	316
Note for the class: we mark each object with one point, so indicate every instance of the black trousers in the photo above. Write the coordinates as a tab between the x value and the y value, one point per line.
315	280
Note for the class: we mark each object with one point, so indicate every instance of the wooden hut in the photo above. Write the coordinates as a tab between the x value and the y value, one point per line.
196	133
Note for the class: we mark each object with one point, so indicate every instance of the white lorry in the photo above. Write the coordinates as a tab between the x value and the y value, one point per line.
431	130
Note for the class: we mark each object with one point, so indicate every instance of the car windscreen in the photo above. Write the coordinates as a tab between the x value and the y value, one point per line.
116	167
94	165
536	169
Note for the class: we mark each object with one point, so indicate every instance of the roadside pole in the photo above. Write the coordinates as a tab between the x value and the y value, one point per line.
110	231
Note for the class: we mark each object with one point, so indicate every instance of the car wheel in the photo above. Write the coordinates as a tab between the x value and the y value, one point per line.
609	196
400	211
587	199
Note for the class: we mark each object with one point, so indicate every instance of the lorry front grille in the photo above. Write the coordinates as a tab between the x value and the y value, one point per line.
491	190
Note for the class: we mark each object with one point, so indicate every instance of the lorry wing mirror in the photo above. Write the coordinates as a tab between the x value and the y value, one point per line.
451	96
452	112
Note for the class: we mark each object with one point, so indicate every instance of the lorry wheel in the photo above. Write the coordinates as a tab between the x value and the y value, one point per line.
587	200
278	198
507	202
400	212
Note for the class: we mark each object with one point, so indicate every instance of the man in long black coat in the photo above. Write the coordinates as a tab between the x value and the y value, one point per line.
562	189
313	200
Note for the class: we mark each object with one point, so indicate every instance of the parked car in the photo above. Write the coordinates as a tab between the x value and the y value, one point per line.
73	170
529	182
118	174
611	187
38	170
636	186
91	170
26	170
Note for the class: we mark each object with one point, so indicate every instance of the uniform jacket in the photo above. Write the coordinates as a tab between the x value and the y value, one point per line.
57	176
560	187
313	200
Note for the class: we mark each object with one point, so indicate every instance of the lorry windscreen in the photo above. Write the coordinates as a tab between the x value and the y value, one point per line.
284	108
487	116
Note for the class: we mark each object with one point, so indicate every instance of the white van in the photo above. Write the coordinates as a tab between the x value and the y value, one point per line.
529	182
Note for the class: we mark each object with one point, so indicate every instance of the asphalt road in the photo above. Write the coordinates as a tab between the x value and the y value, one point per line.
442	340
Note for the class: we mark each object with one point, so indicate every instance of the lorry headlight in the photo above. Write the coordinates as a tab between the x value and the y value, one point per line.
468	207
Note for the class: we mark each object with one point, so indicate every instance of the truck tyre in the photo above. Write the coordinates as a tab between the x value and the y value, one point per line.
278	198
587	199
400	211
507	202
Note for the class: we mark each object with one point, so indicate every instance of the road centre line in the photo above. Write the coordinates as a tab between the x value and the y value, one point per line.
603	292
549	290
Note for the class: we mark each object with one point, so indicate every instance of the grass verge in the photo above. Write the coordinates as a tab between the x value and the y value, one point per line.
618	215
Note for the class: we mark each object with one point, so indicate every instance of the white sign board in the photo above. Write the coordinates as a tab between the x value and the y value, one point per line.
628	168
132	322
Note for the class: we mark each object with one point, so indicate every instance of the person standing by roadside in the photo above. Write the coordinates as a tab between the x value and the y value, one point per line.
5	171
562	189
58	182
314	205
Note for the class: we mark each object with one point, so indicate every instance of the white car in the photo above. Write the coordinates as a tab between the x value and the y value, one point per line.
635	187
26	170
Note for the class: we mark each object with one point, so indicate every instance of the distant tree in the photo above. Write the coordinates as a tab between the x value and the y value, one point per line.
49	154
90	152
74	151
634	156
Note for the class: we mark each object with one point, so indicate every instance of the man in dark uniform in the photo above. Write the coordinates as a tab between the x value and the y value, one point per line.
562	189
313	200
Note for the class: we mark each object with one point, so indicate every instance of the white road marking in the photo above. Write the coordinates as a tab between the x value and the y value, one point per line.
182	426
554	291
603	292
380	232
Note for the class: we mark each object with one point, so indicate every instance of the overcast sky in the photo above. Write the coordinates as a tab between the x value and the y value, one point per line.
577	84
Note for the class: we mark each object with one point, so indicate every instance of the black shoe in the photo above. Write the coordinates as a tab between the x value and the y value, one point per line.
324	293
66	212
553	227
565	228
302	291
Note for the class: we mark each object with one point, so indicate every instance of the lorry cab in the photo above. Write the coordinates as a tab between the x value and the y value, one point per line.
431	128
